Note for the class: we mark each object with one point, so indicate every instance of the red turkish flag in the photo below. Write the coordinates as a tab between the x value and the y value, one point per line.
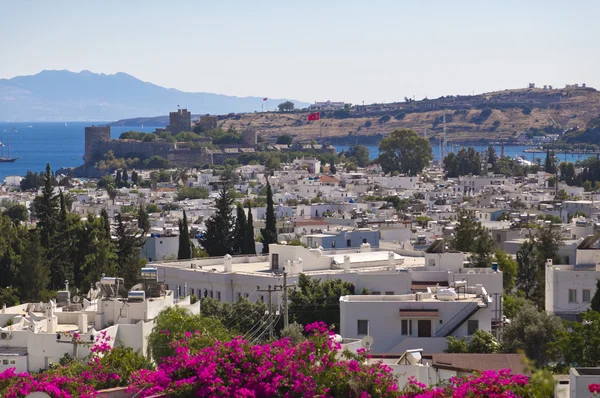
314	116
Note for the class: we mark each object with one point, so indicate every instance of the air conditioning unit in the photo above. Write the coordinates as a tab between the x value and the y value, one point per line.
5	335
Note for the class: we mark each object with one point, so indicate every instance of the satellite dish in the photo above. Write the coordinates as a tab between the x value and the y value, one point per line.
76	299
38	394
367	342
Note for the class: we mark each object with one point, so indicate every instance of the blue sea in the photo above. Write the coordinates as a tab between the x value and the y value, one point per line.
60	144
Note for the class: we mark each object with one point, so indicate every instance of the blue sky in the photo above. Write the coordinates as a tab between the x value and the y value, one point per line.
354	51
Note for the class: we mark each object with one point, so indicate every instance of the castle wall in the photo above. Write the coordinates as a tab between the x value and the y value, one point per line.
133	149
94	135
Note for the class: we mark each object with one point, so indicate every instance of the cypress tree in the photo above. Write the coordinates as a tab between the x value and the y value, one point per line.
46	209
128	253
63	210
333	169
118	179
124	176
218	239
143	219
249	245
240	230
134	177
105	222
185	249
269	232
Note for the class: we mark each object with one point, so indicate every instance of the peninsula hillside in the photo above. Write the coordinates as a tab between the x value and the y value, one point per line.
61	95
507	115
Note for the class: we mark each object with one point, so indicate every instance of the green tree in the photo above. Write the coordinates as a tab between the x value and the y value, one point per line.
465	162
549	163
239	234
509	268
31	182
242	317
171	324
285	139
332	168
360	154
45	209
528	275
532	331
128	253
135	178
218	239
286	106
404	152
143	219
471	236
249	242
112	193
481	342
491	155
269	232
185	246
318	300
578	344
34	270
16	212
105	222
595	304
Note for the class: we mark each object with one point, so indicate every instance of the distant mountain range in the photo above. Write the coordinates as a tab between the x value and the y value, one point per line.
68	96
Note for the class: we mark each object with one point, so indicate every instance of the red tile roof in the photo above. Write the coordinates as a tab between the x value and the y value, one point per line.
329	179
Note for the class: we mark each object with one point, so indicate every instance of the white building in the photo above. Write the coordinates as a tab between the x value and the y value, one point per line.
380	271
422	320
570	288
36	335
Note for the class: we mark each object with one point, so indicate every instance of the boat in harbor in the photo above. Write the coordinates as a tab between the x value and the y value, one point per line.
6	159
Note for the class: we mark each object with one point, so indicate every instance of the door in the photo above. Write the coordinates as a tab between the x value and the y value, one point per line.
424	326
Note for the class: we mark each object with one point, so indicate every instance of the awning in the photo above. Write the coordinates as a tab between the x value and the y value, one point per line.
423	313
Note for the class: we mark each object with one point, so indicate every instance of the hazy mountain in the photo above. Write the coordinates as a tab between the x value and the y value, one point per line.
63	96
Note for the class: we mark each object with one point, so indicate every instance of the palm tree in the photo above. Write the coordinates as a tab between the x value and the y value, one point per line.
112	193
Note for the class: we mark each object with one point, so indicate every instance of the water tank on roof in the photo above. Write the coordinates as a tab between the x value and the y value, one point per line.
495	266
446	295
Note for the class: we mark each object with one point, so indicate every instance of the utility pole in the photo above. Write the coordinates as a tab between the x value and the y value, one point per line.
270	291
278	288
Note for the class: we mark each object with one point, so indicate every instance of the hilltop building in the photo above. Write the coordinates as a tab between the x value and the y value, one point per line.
180	121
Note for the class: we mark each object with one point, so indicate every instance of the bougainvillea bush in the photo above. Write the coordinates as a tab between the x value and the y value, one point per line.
237	368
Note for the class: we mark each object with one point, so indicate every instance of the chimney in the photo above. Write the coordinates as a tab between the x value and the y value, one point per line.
228	263
82	323
549	262
391	259
299	265
347	263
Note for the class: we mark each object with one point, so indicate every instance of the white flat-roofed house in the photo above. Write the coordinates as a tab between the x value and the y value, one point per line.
380	271
40	334
398	323
570	288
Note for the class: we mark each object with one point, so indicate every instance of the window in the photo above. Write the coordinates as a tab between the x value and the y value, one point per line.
12	362
193	292
5	362
406	327
572	296
389	293
239	296
586	295
348	243
219	296
362	326
376	293
161	242
365	240
472	326
246	295
211	294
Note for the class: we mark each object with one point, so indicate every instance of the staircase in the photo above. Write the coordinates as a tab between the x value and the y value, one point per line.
457	320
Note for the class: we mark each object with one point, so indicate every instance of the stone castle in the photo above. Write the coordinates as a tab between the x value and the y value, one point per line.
98	142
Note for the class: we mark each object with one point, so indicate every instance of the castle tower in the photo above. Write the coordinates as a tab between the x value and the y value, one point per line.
249	138
93	136
180	121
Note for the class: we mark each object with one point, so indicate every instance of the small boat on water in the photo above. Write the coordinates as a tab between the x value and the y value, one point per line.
6	159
